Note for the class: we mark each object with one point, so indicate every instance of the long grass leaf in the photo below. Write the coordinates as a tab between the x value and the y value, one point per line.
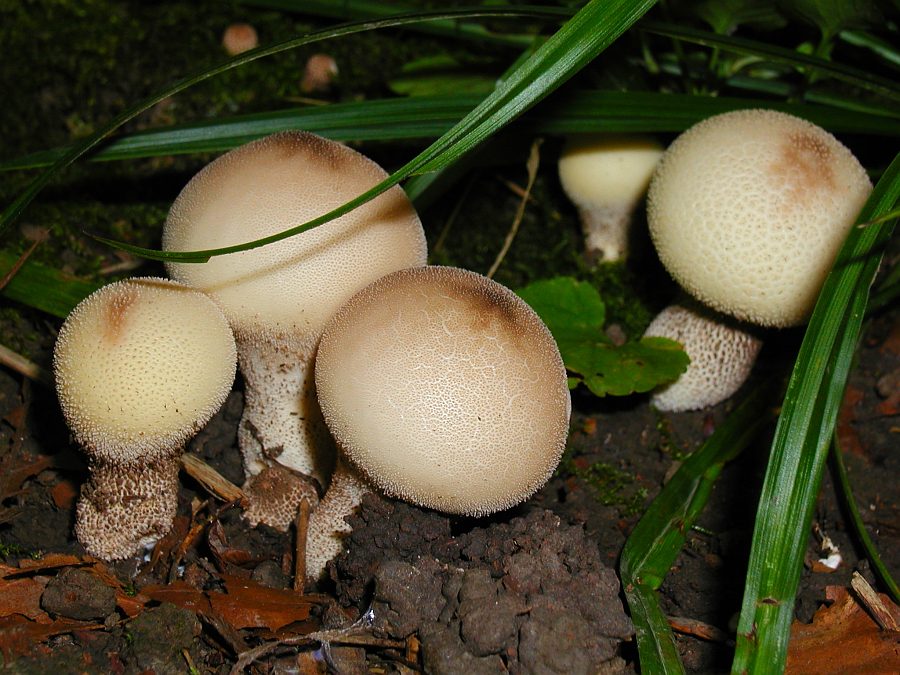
654	543
580	111
802	438
576	43
42	287
80	149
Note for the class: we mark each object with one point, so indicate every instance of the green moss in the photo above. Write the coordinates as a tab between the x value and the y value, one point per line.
609	485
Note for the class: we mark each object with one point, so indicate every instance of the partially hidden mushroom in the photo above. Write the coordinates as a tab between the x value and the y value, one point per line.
278	297
747	211
442	388
722	353
140	366
606	177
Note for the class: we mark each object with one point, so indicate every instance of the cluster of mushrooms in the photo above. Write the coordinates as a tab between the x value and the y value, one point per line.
364	368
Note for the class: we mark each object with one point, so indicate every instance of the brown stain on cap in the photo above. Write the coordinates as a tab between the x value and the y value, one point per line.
804	166
115	315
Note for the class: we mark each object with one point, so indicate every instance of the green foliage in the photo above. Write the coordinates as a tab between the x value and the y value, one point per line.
575	314
833	16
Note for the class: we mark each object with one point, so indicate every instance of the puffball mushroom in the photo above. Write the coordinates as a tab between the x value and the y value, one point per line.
443	388
278	297
606	176
748	209
140	365
722	354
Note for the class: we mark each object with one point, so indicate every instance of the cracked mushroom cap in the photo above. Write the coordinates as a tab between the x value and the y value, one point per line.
140	366
445	389
293	286
722	355
748	210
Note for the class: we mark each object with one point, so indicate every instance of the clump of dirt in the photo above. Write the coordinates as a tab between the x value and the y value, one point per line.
524	596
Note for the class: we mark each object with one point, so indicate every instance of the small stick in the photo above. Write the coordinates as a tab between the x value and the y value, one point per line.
697	629
874	604
301	527
18	363
211	479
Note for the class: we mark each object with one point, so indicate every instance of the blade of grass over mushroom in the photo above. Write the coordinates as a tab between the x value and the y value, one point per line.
578	41
652	547
82	148
803	436
878	566
580	111
859	78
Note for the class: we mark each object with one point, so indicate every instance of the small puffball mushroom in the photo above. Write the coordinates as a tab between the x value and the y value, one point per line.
722	354
239	38
606	176
444	389
274	494
140	365
278	297
318	73
748	209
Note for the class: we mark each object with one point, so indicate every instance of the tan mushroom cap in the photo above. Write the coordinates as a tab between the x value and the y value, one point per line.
140	366
722	355
293	286
446	389
748	209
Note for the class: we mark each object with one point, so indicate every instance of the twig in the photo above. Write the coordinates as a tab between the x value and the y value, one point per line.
212	480
534	161
874	604
697	629
18	363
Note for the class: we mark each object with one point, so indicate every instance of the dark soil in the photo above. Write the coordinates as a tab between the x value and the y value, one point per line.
532	590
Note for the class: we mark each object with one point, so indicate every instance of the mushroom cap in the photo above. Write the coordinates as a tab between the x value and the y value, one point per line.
445	389
140	366
722	355
608	171
748	210
290	288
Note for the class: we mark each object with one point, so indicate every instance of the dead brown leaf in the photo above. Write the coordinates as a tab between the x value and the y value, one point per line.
843	638
19	635
23	597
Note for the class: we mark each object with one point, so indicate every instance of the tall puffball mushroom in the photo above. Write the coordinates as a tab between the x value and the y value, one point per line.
748	210
141	365
278	297
442	388
606	176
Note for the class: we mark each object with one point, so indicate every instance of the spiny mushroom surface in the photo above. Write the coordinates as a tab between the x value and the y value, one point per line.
140	365
722	354
748	209
445	389
606	176
278	297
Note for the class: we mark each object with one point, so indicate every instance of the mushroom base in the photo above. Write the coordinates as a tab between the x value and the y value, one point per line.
282	420
327	524
606	232
275	494
125	508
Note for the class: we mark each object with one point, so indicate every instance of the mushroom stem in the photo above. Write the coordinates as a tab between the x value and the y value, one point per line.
126	507
327	524
282	420
606	231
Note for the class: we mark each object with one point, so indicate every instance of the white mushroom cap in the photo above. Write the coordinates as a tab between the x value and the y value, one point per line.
290	288
140	366
445	389
722	355
605	176
748	209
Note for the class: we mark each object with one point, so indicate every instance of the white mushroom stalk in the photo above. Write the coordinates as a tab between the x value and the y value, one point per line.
140	365
278	297
443	388
722	354
606	176
747	211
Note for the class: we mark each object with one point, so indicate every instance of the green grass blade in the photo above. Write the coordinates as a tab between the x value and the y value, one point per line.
859	78
652	547
42	287
349	10
802	438
78	150
428	117
579	40
878	566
